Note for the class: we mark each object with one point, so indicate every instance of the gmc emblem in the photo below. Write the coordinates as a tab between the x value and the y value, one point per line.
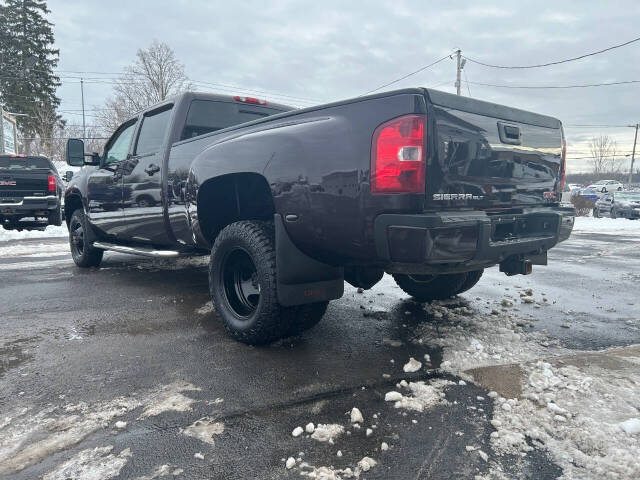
7	183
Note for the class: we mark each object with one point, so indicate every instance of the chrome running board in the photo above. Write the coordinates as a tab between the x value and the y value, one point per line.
145	252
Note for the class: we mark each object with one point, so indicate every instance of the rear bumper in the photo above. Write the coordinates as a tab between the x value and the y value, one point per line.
28	205
467	240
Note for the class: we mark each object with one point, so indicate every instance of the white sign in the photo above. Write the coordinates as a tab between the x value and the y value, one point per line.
9	135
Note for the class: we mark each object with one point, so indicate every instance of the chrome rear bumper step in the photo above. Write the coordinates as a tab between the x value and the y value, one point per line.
145	252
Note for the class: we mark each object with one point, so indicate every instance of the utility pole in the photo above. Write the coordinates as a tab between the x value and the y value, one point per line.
84	129
459	70
633	154
1	130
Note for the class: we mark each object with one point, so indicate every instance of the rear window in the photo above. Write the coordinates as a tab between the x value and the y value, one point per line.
209	115
22	163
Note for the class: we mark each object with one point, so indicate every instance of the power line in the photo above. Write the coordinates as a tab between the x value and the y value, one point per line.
572	59
543	87
407	75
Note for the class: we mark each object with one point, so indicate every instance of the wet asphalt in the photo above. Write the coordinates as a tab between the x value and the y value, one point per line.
69	336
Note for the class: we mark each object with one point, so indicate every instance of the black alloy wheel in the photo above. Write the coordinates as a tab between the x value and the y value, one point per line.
239	278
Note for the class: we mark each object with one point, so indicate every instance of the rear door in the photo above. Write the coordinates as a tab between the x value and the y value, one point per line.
491	156
142	180
104	186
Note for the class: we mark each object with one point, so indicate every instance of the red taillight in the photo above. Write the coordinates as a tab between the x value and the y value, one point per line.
398	156
256	101
52	183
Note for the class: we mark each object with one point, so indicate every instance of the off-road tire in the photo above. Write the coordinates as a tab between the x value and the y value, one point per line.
307	317
245	318
84	255
471	280
425	288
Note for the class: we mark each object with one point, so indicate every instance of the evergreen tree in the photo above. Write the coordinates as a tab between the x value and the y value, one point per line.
27	59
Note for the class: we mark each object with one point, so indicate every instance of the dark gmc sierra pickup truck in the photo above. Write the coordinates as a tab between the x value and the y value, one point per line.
427	186
30	187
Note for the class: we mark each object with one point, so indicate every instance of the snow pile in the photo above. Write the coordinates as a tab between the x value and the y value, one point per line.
356	415
33	249
51	231
327	432
91	464
585	417
577	416
471	339
330	473
607	226
412	365
422	396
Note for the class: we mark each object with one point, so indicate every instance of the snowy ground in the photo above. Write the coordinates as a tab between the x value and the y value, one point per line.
124	372
50	232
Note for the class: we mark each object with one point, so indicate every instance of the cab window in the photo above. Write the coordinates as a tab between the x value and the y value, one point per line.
118	147
153	131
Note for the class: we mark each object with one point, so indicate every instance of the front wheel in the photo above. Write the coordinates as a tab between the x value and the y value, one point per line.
596	213
242	282
426	288
84	255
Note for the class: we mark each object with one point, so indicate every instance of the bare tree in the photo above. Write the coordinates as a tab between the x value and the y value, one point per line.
48	128
155	75
603	155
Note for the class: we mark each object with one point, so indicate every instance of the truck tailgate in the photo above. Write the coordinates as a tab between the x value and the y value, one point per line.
18	184
491	156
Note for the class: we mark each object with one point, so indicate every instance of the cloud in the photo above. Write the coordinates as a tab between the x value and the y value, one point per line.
325	51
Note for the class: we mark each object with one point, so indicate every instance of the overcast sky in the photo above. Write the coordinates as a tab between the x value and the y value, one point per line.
330	50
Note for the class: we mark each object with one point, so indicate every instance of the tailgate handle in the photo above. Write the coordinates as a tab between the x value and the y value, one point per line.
510	134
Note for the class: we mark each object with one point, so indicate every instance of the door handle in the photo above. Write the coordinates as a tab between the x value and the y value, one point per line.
152	168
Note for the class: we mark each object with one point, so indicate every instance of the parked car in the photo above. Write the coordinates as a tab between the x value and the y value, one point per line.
592	193
430	187
618	204
30	188
607	185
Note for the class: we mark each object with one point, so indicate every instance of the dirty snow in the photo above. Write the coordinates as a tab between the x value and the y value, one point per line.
206	309
91	464
204	429
576	414
327	432
170	398
356	415
30	435
331	473
412	365
421	396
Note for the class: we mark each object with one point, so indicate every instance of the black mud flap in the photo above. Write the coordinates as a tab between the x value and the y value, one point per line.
301	279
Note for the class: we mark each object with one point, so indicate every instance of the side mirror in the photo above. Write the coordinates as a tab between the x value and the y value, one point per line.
68	175
74	152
